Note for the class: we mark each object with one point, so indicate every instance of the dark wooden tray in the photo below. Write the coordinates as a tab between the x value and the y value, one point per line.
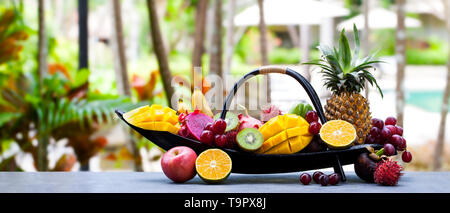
251	163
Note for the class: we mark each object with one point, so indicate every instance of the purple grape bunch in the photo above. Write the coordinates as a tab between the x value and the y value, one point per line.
390	135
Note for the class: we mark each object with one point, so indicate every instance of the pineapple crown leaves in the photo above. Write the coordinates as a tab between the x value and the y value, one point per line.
343	70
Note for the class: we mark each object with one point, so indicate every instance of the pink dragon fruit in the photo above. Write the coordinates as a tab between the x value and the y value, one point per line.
248	122
269	112
193	124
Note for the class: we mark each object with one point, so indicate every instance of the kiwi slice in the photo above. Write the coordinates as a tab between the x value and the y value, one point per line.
249	139
231	119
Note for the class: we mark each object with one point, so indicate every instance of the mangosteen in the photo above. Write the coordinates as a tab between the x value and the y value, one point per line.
316	145
366	165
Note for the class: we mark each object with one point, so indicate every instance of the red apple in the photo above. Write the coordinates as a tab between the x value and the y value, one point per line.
178	164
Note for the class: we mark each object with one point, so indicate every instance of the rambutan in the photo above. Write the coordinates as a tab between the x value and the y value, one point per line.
387	173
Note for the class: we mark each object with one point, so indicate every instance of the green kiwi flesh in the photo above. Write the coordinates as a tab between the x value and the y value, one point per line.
249	139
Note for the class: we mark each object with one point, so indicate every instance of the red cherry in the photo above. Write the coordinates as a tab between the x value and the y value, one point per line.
220	141
378	123
406	156
386	133
370	139
389	149
402	146
219	126
399	130
208	127
311	116
314	127
333	179
305	178
396	141
390	121
374	131
392	129
231	139
316	176
207	137
323	179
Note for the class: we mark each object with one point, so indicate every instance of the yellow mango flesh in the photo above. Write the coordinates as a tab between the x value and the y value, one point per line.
156	114
298	143
150	125
282	148
273	141
171	117
285	134
131	115
159	126
155	117
272	127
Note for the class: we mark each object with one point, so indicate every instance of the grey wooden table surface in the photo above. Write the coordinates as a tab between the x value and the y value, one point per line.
156	182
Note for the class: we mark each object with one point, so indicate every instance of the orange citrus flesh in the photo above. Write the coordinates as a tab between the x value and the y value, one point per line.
213	165
338	133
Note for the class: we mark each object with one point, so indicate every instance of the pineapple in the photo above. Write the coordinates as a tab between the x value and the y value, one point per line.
346	74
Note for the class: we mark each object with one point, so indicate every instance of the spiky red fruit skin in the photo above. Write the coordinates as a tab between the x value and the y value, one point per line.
387	173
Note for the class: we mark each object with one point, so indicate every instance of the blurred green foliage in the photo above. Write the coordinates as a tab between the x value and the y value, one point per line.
419	50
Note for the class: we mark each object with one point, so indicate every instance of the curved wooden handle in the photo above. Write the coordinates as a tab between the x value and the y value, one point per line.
281	70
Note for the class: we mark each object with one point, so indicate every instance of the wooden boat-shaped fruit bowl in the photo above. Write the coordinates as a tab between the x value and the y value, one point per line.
252	163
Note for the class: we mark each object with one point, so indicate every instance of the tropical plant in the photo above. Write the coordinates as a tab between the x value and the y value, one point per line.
56	110
57	105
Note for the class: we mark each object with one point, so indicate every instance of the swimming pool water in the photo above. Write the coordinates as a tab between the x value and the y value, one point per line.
428	100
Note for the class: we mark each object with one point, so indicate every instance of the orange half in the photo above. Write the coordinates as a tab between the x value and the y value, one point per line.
213	165
338	133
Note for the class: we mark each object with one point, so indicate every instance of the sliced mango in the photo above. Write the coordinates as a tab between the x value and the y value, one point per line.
154	117
282	148
165	126
169	110
171	117
298	143
159	126
157	114
150	125
135	112
272	127
141	117
156	107
285	134
273	141
292	120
